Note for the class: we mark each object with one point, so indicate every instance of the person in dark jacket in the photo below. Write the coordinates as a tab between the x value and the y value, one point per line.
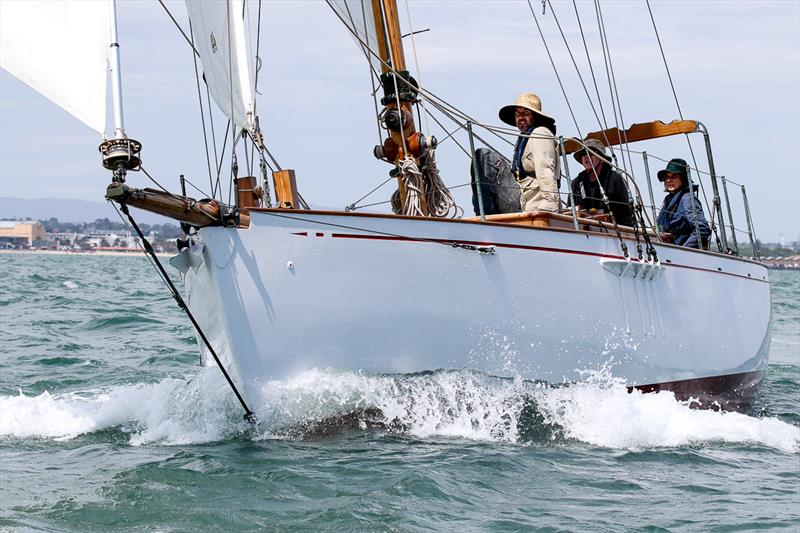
682	214
586	187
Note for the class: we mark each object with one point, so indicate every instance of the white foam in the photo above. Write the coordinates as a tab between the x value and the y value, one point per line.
598	411
171	412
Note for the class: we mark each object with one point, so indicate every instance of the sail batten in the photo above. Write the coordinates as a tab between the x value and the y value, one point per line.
220	40
60	49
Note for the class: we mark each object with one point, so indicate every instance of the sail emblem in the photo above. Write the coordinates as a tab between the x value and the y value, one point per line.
213	43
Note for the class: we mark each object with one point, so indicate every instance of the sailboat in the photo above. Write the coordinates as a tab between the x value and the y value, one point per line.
275	288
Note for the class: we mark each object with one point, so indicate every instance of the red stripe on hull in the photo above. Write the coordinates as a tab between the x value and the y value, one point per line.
732	392
533	248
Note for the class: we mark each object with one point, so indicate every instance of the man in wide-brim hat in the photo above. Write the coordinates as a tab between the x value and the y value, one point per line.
598	176
682	213
531	182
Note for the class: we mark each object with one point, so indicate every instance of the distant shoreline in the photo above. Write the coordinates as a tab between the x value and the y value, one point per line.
83	252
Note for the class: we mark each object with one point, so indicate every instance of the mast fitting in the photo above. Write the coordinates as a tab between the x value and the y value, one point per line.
121	152
396	119
407	87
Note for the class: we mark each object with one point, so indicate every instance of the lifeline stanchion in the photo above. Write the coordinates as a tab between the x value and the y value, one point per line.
249	415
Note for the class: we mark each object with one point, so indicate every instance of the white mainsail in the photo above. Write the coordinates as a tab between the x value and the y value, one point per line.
219	37
60	49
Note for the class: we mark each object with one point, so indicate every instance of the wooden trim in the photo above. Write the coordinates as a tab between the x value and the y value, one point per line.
286	189
200	213
637	132
248	194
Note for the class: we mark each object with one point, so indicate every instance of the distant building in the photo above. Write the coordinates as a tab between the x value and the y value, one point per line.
21	232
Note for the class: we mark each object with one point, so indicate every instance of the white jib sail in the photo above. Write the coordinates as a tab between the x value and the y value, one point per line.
219	37
60	49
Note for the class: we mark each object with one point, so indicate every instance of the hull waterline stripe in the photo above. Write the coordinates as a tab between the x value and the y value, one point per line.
527	247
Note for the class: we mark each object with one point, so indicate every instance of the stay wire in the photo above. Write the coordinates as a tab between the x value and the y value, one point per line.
202	113
591	67
605	61
249	415
411	33
613	82
680	114
217	157
165	190
577	69
555	69
188	40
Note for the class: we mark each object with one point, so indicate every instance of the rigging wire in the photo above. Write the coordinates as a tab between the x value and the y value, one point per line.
202	113
188	40
249	415
432	97
577	69
373	75
612	81
416	60
234	164
173	195
680	114
217	157
591	68
555	70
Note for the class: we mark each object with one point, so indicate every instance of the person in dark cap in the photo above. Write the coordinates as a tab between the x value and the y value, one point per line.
599	176
682	214
530	183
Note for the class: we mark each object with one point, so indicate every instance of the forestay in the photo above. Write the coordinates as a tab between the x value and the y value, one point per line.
219	37
60	49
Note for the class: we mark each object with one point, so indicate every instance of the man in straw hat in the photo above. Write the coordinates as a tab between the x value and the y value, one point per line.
682	214
530	183
597	177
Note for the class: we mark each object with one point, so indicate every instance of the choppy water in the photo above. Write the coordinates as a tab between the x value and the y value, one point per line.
107	423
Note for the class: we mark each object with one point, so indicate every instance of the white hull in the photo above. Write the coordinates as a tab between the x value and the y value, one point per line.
385	294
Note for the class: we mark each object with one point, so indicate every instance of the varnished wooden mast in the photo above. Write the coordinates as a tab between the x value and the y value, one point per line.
390	47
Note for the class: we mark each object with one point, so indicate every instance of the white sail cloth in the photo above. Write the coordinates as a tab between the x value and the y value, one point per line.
359	17
219	38
60	49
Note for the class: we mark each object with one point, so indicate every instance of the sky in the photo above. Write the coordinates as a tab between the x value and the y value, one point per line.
735	64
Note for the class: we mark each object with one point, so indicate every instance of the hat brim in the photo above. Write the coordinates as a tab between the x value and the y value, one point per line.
507	114
662	175
579	154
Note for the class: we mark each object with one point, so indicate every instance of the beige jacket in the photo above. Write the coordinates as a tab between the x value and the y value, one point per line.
540	193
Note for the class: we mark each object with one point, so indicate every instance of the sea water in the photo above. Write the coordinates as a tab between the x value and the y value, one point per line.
107	422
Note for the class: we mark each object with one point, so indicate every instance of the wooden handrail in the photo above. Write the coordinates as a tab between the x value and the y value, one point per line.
637	132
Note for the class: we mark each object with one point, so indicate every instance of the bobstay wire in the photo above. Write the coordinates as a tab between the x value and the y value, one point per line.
249	415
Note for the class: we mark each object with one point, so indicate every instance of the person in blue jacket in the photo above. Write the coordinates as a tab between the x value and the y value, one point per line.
682	214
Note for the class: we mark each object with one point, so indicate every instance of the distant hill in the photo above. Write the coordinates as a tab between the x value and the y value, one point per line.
69	210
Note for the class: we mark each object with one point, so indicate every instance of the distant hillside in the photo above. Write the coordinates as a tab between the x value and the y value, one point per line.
69	210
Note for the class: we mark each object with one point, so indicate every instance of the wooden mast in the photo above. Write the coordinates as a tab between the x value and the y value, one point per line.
399	120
